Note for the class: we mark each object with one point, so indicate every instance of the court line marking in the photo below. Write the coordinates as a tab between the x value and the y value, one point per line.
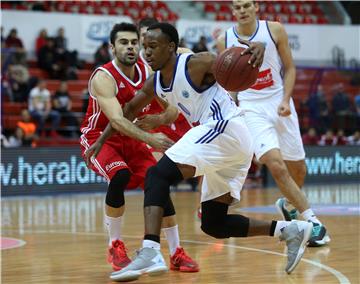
20	243
341	277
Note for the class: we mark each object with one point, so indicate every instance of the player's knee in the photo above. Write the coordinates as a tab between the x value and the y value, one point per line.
213	219
278	169
213	230
302	169
115	194
158	180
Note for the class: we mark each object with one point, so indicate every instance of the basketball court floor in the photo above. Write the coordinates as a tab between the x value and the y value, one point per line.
61	239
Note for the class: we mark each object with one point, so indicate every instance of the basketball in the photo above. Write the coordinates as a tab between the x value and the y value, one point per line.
232	70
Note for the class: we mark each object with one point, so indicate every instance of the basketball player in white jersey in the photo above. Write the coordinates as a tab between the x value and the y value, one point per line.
270	113
219	148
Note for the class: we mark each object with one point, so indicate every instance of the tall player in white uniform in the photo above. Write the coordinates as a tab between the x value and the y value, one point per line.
220	149
270	113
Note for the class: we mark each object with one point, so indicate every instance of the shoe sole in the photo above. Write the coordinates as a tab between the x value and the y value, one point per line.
326	239
307	235
134	275
126	276
189	270
154	271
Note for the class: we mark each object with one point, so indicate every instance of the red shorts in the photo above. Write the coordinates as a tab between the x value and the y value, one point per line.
121	152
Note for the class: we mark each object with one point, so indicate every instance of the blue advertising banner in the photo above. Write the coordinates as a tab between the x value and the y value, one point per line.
329	164
45	170
62	169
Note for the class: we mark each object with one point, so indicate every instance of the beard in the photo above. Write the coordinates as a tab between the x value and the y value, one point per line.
125	60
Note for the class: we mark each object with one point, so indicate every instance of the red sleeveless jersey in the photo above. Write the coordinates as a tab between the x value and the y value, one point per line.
176	130
95	120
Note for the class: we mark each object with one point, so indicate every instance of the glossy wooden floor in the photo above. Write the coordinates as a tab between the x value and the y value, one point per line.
65	242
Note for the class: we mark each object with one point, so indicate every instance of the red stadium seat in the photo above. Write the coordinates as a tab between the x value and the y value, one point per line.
270	9
210	8
161	5
133	5
6	5
293	19
220	17
308	19
225	9
172	17
322	20
119	4
300	9
147	5
285	9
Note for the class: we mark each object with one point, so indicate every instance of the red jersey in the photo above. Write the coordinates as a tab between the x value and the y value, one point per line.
177	129
95	120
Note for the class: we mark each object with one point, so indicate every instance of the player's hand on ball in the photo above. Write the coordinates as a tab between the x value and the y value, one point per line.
148	122
284	109
160	142
256	49
92	152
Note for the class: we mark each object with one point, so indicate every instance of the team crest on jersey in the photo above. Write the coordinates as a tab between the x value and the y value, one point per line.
162	95
121	85
185	94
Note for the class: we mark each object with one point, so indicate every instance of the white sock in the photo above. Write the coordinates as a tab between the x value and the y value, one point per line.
113	226
309	215
172	237
280	225
151	244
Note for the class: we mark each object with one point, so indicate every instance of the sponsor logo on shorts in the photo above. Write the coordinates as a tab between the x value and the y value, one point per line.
112	165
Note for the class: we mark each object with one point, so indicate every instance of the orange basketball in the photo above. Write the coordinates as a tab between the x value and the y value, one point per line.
232	70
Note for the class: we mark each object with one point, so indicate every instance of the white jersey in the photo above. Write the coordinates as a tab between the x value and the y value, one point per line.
269	82
198	106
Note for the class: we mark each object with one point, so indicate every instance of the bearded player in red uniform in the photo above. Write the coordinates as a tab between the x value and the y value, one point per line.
124	158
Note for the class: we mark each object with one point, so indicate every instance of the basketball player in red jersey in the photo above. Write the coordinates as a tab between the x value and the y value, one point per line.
270	112
124	158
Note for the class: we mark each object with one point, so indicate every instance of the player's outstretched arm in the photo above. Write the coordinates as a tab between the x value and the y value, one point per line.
142	98
152	121
104	89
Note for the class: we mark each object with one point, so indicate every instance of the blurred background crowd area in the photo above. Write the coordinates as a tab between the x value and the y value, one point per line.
44	93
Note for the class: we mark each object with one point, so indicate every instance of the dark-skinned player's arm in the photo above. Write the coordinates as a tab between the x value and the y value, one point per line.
152	121
104	89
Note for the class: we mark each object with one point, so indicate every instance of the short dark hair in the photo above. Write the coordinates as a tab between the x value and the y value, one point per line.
168	30
147	22
122	27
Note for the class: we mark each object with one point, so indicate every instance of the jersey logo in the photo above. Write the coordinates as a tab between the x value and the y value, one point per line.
185	94
184	109
264	80
121	86
162	95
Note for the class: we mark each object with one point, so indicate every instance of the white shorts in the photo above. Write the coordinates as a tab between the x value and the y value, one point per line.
221	151
271	131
